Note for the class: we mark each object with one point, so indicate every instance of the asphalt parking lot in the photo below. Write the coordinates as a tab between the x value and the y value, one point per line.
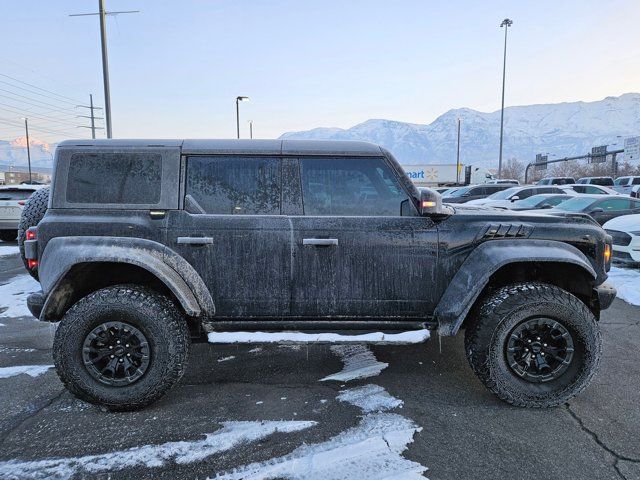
314	411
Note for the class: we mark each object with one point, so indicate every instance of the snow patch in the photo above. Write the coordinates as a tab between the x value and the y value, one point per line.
370	398
231	435
8	250
359	362
371	449
412	336
31	370
627	283
226	359
13	295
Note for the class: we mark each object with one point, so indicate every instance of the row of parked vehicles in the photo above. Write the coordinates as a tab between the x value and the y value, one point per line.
601	198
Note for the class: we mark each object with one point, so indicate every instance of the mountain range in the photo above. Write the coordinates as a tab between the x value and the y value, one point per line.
562	129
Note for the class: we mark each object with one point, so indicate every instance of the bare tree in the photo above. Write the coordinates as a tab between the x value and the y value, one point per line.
513	169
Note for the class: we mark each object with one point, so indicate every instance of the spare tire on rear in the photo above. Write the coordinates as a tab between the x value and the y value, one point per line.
33	212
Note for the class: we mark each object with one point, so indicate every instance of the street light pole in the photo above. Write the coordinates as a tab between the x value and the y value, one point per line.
240	98
105	66
506	23
26	128
250	128
458	157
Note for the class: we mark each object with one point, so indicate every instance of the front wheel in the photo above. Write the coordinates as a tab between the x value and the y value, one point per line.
533	344
122	347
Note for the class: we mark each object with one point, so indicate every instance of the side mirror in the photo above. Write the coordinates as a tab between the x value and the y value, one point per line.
514	198
596	210
546	205
430	202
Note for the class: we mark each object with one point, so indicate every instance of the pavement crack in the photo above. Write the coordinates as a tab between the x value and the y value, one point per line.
600	443
31	412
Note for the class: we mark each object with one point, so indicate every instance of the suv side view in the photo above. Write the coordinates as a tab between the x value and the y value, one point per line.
148	245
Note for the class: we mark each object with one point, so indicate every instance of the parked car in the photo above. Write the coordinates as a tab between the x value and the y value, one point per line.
191	236
624	185
590	189
506	197
604	181
12	200
503	181
556	181
543	201
472	192
625	231
599	207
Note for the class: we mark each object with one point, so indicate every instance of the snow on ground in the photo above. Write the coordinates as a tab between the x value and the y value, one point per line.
359	362
627	282
14	293
413	336
231	435
8	250
371	449
31	370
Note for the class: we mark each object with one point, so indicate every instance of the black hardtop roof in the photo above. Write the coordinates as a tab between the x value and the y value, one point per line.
260	147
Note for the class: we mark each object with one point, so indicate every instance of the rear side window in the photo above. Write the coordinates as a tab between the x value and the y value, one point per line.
235	185
350	187
112	178
636	181
614	204
15	194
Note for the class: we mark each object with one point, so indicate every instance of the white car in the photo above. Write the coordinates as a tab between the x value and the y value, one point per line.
625	232
12	200
589	189
505	198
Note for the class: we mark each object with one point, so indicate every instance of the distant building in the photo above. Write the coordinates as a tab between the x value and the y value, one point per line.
16	178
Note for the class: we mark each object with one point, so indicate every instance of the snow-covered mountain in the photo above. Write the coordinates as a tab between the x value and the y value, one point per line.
15	152
562	129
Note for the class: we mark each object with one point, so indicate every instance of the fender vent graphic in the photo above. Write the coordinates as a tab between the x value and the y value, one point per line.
507	230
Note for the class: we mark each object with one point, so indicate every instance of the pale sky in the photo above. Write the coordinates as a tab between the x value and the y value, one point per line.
177	66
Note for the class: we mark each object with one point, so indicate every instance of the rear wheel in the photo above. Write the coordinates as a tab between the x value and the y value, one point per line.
8	235
533	344
33	211
122	347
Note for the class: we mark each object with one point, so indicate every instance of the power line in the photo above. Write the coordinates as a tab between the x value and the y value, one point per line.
39	88
33	114
48	105
44	129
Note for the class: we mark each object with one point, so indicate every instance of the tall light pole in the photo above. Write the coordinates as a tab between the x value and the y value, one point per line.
26	129
506	23
250	128
239	99
458	157
102	12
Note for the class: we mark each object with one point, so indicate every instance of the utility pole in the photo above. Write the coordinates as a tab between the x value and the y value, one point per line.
239	98
506	23
26	128
105	61
92	116
458	157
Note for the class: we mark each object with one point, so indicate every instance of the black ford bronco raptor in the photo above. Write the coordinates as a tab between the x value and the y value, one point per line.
145	246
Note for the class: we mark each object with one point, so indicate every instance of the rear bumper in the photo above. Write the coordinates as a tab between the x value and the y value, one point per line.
9	224
35	303
605	293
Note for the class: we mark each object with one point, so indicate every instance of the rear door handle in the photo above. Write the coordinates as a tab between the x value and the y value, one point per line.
320	242
195	240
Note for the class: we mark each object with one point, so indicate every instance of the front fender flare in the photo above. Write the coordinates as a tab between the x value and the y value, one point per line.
484	261
62	253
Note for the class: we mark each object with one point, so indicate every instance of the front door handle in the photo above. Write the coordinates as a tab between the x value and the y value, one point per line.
195	240
320	242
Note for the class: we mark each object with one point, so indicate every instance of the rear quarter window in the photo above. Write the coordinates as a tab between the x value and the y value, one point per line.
114	178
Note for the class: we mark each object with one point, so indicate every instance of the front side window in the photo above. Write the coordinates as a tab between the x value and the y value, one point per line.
234	185
350	187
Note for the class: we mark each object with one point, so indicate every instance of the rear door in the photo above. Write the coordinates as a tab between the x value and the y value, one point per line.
360	248
613	207
231	230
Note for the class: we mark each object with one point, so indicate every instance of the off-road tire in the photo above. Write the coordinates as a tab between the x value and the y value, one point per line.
33	211
154	315
504	310
8	235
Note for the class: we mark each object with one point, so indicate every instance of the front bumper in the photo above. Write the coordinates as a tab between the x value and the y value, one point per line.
605	293
35	303
627	254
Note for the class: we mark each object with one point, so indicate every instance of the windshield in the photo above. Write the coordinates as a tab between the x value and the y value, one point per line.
530	202
576	204
504	194
458	192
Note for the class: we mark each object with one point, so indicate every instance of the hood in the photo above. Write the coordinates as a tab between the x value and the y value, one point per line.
625	223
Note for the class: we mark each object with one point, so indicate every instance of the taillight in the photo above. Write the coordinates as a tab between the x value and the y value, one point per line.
21	202
32	233
32	263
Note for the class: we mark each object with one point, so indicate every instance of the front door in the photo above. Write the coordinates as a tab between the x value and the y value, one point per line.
360	248
232	232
